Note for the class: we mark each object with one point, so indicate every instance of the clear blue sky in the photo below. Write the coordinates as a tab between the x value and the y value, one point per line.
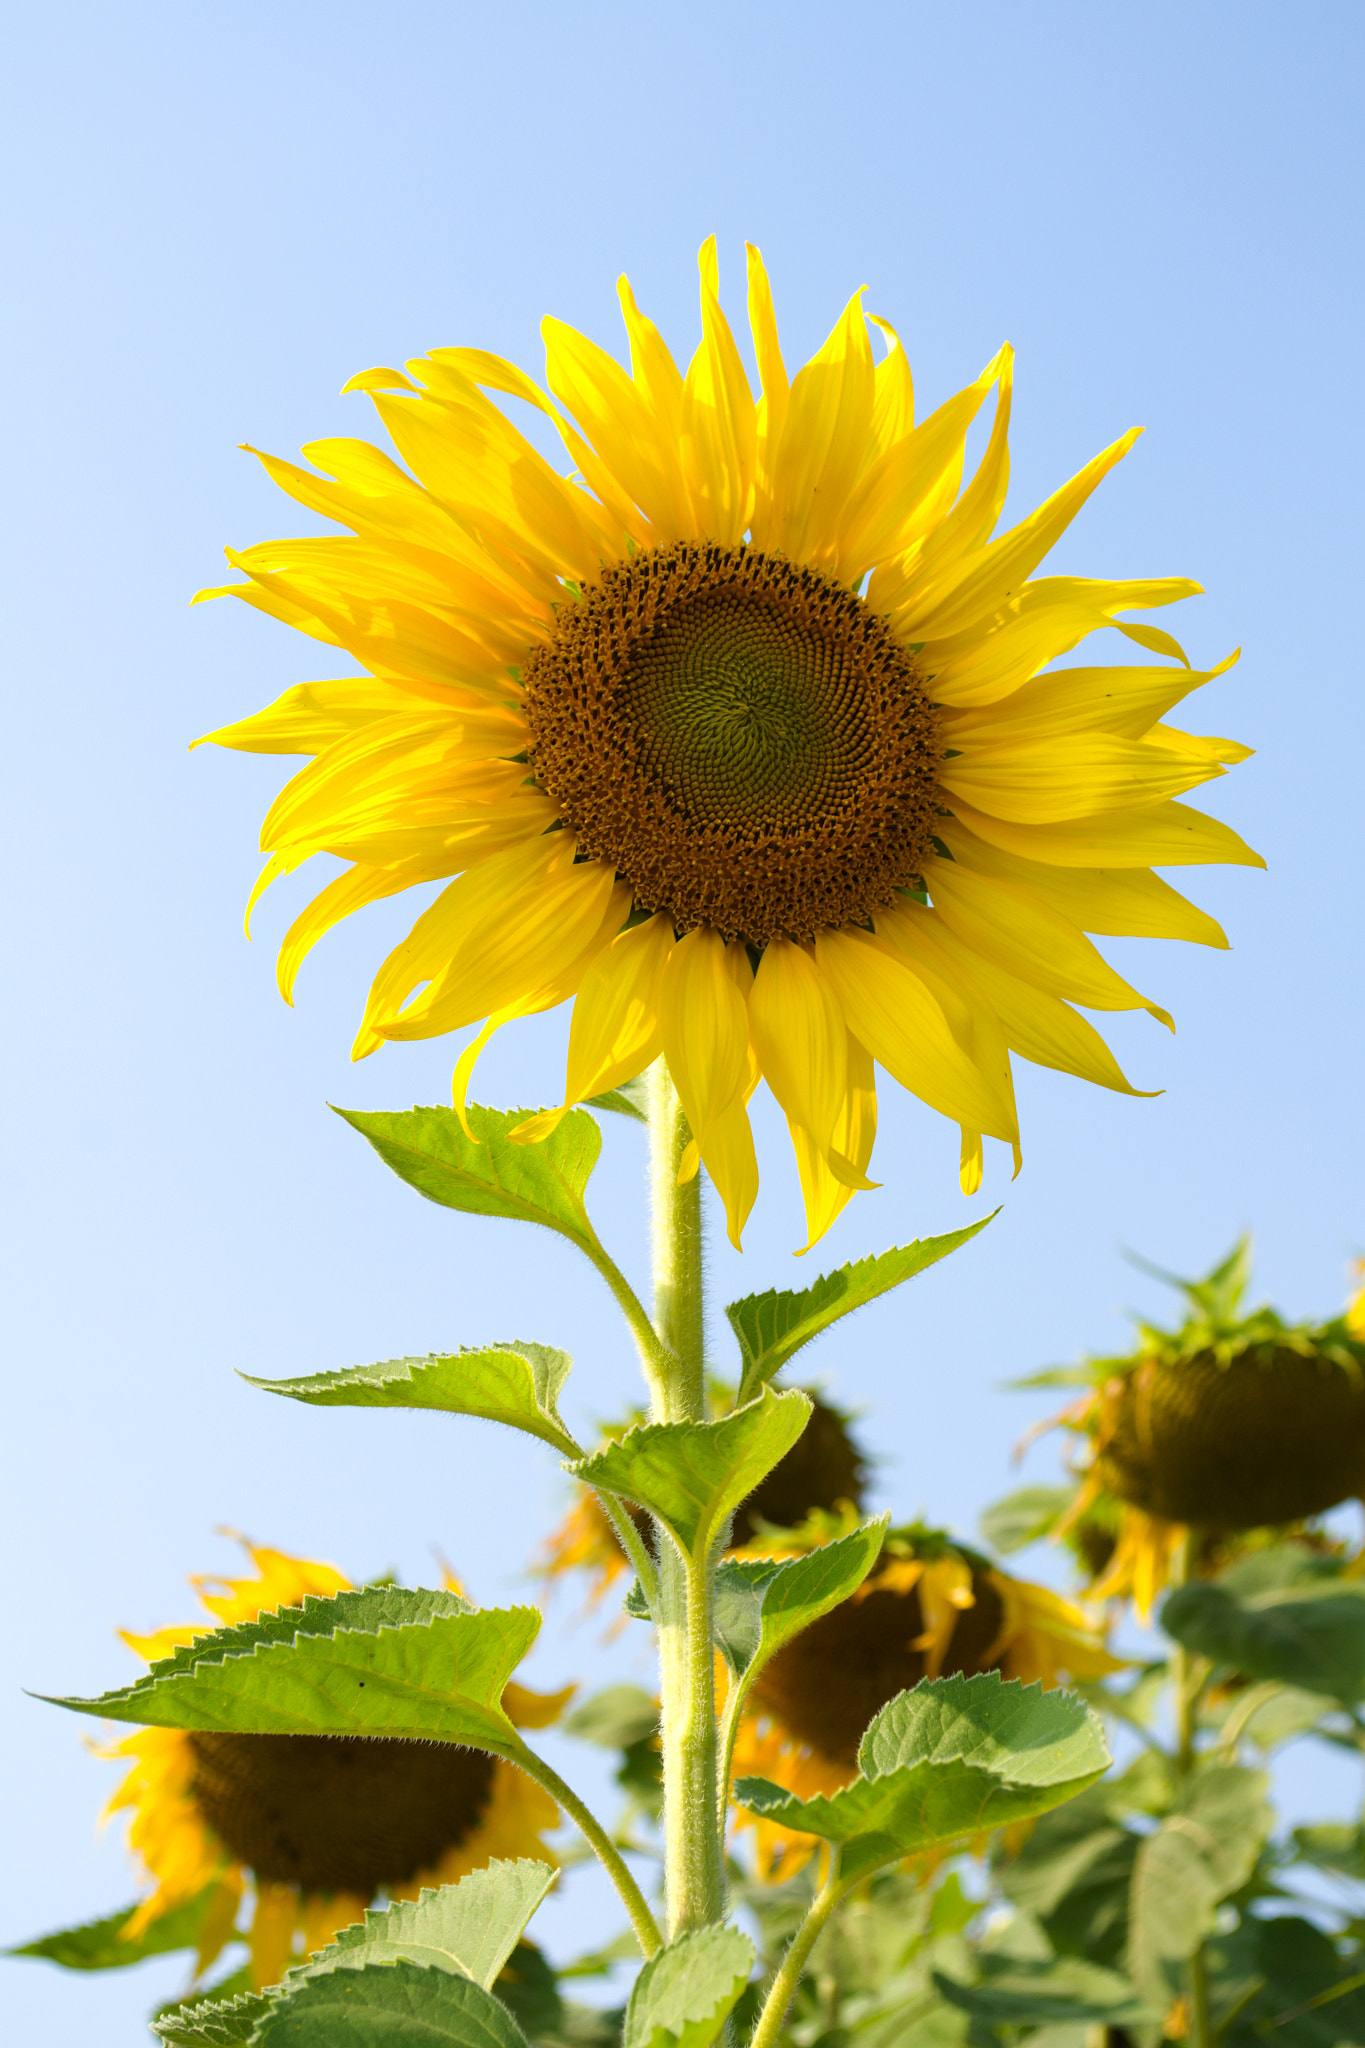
215	216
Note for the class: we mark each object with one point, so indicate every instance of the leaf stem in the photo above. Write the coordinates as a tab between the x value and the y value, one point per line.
632	1898
768	2030
1188	1676
634	1545
653	1355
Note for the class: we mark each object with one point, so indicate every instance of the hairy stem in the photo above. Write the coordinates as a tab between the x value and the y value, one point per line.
1188	1678
549	1780
694	1868
768	2030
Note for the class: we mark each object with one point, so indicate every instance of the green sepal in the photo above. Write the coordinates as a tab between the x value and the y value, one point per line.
685	1994
693	1475
1059	1991
518	1384
761	1603
1204	1850
382	1661
471	1927
1314	1641
99	1944
953	1757
772	1327
542	1183
630	1099
392	2005
211	2022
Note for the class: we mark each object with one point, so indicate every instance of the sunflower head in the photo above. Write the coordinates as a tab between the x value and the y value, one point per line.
742	736
317	1826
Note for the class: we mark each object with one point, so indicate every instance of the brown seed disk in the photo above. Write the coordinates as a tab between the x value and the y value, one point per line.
827	1684
338	1813
741	737
1271	1436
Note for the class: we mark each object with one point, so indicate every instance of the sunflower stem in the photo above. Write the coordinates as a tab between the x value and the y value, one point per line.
694	1867
632	1898
1188	1674
769	2028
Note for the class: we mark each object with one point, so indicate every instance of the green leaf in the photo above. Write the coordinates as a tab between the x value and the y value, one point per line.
542	1183
630	1099
470	1927
685	1993
1021	1518
1061	1991
529	1987
518	1384
772	1327
952	1757
761	1603
693	1475
1200	1853
398	2005
615	1718
381	1661
1305	1992
211	2022
1332	1845
1312	1640
99	1944
1074	1874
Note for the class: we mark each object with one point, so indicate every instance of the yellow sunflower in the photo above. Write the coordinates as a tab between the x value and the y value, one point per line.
1231	1426
737	736
931	1607
316	1825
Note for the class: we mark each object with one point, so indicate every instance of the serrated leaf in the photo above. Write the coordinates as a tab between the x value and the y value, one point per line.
100	1944
772	1327
952	1757
517	1384
684	1994
470	1927
761	1603
1200	1853
381	1661
542	1183
1061	1991
397	2005
1022	1517
693	1475
1313	1640
211	2022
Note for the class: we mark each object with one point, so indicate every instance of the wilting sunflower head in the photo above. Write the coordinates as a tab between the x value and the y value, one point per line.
931	1608
824	1470
742	736
1232	1422
317	1825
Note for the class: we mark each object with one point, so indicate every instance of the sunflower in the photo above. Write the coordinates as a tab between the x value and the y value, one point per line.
931	1607
1231	1424
317	1825
738	736
824	1469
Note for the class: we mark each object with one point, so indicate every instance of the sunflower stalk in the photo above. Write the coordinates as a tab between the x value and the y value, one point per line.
1189	1673
694	1864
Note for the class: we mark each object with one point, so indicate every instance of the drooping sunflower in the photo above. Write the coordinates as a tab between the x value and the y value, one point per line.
741	736
823	1470
316	1826
931	1607
1234	1422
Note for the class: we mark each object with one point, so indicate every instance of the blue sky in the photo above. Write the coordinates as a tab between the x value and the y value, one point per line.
217	216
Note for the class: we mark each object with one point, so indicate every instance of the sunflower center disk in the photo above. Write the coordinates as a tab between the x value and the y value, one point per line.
741	738
341	1813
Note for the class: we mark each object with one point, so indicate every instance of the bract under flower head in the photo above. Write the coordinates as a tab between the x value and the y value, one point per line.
742	736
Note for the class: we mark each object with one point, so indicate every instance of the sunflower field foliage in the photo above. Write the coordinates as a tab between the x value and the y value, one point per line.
744	740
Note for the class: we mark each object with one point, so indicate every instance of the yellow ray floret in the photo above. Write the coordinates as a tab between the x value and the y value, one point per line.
742	735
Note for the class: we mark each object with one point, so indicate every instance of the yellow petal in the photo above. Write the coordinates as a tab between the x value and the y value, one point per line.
892	1013
800	1037
1165	835
1127	702
1048	617
893	402
615	1030
652	368
1118	902
719	429
825	441
271	1939
704	1027
1049	782
349	892
971	1162
907	491
1005	922
312	717
727	1151
830	1179
621	424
